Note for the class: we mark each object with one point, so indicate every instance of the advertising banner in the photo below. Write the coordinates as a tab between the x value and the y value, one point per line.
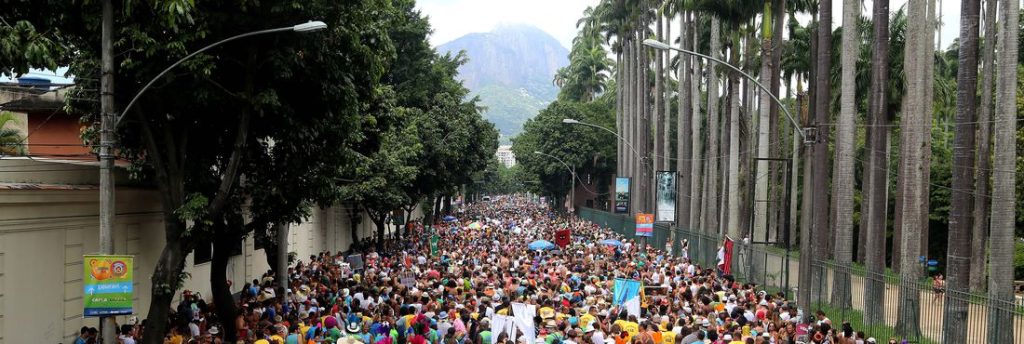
621	195
107	285
644	225
666	194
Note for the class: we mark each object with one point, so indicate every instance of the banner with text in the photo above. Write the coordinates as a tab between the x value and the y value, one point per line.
107	285
621	195
666	193
644	225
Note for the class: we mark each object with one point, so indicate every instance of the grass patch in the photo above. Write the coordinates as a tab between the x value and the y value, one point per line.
881	332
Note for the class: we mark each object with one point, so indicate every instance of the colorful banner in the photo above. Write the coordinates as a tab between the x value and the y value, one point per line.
644	225
562	238
621	195
627	293
107	285
725	256
666	194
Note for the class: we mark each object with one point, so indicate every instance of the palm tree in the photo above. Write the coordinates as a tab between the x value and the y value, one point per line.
983	161
877	168
1000	282
819	151
658	121
695	124
912	167
10	137
709	217
684	120
764	131
843	183
962	202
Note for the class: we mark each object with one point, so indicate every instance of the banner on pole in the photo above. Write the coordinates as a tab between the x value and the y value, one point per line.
627	294
562	237
644	225
666	193
433	245
107	285
621	195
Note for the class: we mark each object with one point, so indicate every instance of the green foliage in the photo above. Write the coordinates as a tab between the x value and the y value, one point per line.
10	137
21	46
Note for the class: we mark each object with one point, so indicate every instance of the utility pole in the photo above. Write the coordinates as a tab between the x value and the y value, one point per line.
106	152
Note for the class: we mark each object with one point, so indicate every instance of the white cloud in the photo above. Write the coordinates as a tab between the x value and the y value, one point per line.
452	19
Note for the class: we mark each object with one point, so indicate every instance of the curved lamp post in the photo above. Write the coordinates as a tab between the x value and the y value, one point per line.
304	27
572	173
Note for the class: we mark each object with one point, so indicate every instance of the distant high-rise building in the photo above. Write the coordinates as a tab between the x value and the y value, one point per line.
505	156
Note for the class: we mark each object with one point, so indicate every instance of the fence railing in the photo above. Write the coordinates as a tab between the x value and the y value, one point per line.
875	298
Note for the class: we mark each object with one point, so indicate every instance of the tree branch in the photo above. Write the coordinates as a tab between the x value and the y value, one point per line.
234	163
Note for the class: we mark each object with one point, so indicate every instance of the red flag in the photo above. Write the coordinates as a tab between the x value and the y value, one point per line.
725	256
562	238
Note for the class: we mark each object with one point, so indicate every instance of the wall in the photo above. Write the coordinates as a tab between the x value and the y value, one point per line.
45	230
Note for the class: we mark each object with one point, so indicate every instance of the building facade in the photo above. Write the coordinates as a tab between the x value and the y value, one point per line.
505	156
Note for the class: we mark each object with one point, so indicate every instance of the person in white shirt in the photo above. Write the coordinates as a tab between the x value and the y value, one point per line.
127	334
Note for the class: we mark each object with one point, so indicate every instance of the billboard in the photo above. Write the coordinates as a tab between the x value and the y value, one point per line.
621	195
107	285
644	225
666	197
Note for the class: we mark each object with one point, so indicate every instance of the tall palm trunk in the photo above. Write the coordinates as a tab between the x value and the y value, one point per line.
819	189
928	56
643	129
658	121
776	204
1001	248
733	217
666	136
709	221
912	169
695	132
961	207
684	127
877	169
983	162
763	135
843	184
619	114
629	122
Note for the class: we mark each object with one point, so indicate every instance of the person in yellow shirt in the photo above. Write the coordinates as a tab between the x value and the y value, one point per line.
589	317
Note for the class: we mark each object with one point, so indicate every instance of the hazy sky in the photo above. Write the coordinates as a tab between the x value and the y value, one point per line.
453	18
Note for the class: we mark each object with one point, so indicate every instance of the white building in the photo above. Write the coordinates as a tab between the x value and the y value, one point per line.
505	155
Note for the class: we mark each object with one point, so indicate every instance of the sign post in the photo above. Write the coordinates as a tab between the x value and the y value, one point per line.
107	285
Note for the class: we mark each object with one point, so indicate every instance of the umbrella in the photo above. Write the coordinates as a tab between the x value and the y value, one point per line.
541	245
611	242
449	218
475	225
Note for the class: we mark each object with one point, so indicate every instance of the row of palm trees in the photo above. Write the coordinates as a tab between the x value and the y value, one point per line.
672	117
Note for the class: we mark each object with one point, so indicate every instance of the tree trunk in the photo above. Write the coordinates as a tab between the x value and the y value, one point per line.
658	121
684	127
913	130
666	134
226	310
620	156
733	217
709	221
820	149
928	56
962	198
776	205
695	128
843	185
1000	283
983	161
877	170
165	278
764	132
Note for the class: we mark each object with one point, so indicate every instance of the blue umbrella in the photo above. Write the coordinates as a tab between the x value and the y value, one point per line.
541	245
611	242
450	218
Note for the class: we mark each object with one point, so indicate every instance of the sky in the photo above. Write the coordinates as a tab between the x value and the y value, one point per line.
452	19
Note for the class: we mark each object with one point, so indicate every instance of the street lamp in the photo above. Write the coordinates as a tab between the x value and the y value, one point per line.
310	26
656	44
572	172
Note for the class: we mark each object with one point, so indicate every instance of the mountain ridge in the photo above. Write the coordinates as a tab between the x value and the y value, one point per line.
511	69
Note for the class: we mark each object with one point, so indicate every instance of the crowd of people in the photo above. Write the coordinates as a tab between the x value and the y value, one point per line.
451	282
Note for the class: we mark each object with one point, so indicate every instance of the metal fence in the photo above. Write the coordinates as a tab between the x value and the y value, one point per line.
874	298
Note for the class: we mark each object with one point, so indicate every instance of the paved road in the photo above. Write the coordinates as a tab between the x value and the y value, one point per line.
931	308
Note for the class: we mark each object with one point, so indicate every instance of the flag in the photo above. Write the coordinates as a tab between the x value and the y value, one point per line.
725	256
644	224
562	237
627	293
